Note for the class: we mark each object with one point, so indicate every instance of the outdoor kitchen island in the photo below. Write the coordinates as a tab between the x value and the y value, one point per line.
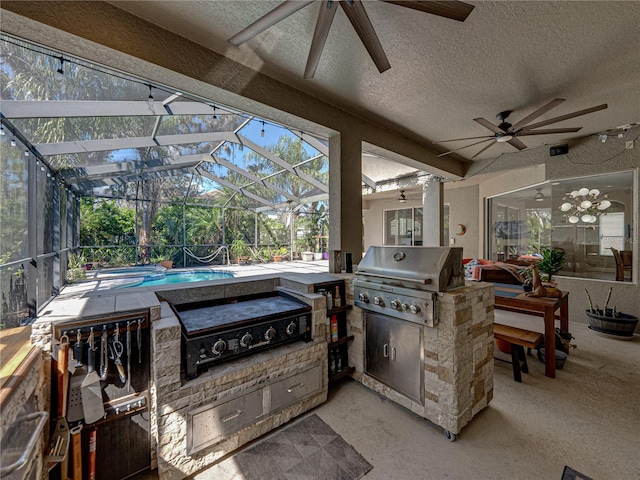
182	424
422	336
192	423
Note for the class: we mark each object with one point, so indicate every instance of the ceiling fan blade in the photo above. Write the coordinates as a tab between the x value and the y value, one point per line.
548	131
541	111
466	146
362	25
564	117
482	150
450	9
325	19
462	139
268	20
516	143
487	124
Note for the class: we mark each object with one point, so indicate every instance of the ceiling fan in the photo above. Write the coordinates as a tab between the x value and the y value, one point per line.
357	15
508	133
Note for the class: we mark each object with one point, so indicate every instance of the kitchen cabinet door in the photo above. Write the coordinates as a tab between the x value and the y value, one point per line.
377	346
405	365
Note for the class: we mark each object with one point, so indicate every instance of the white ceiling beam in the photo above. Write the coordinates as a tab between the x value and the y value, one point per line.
103	145
254	178
230	185
100	108
113	169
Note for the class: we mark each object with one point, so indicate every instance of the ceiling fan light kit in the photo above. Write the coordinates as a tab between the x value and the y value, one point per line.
357	15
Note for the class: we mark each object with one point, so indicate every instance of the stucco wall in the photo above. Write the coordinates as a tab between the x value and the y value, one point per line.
464	204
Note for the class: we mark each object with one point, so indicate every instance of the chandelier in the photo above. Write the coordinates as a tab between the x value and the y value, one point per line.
584	204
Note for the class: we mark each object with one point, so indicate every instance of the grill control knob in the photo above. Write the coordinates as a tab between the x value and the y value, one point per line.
378	301
270	334
364	297
219	347
405	306
414	309
395	304
246	340
291	328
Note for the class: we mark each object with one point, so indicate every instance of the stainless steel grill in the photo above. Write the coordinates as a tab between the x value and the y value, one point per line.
403	282
398	289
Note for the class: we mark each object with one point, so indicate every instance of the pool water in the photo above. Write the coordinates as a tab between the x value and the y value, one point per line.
181	277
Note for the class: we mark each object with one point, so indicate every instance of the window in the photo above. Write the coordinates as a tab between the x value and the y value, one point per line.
522	223
403	226
611	232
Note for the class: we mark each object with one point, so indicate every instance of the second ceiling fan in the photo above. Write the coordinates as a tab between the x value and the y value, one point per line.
508	133
357	15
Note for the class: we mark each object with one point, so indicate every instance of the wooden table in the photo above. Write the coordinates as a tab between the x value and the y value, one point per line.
513	299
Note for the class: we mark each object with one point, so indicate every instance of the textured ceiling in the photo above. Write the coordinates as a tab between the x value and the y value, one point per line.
506	56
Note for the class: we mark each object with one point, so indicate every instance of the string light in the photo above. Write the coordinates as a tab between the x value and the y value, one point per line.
13	142
215	116
262	131
2	131
59	75
150	101
26	153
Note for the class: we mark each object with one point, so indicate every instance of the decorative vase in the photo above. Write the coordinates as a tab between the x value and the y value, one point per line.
623	325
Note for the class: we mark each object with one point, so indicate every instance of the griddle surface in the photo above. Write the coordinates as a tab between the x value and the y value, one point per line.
220	317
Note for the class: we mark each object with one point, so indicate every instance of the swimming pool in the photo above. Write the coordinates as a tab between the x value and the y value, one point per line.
170	278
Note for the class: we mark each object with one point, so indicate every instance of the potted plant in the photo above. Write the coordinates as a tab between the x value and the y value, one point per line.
280	254
527	278
75	270
551	262
239	250
609	320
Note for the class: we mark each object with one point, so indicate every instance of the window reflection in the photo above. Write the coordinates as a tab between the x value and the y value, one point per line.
521	223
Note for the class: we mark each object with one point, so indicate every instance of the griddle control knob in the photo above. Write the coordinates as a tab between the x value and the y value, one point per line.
414	309
364	297
291	328
395	304
378	301
219	347
270	334
246	340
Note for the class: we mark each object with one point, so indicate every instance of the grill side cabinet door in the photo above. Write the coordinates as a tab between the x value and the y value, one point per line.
405	358
377	346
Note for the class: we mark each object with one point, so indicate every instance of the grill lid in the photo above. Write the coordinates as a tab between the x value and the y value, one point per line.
426	268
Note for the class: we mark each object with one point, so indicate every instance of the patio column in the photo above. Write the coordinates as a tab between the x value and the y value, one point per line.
432	211
345	199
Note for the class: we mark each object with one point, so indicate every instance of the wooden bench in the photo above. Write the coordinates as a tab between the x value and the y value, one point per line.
518	338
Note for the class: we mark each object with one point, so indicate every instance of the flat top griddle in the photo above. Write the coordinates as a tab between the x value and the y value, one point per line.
209	319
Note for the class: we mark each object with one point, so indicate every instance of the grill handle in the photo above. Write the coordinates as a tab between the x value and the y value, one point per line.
420	281
385	350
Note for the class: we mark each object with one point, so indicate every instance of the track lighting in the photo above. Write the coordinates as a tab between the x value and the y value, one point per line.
262	131
150	101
